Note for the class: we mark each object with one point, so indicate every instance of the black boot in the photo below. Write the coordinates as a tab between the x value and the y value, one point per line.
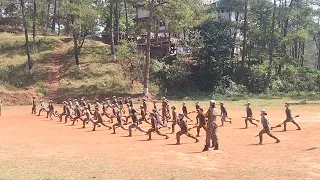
206	148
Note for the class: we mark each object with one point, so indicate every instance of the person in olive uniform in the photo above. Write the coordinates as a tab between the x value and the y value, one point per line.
185	111
266	127
224	114
201	121
87	117
135	122
164	112
119	121
154	126
249	116
174	118
77	116
64	110
197	106
144	104
184	129
289	118
34	106
50	112
98	120
212	127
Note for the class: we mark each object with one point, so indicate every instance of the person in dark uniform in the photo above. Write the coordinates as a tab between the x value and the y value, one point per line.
249	116
224	114
201	121
266	127
77	116
135	122
50	111
184	129
98	120
155	104
197	106
154	127
289	118
89	106
164	112
144	104
130	102
68	114
120	104
87	117
174	118
185	111
143	114
114	100
212	127
64	110
70	103
34	106
119	121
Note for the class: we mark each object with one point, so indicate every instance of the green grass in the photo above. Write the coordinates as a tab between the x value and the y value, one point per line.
13	70
99	74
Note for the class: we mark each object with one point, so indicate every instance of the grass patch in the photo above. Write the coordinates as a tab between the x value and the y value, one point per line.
99	74
13	70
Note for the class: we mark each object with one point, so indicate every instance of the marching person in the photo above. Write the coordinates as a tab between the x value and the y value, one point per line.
164	112
266	127
50	112
98	120
174	118
289	118
135	122
0	107
249	116
34	106
119	121
185	111
154	127
201	121
64	110
43	107
184	129
224	114
77	116
212	128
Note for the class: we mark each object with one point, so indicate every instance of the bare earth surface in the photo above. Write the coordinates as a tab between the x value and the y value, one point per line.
34	147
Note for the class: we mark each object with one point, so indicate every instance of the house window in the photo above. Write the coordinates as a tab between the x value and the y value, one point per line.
222	11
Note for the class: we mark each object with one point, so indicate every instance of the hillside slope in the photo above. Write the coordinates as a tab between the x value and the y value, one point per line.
55	74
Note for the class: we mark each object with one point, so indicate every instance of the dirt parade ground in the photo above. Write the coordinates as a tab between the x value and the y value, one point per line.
34	147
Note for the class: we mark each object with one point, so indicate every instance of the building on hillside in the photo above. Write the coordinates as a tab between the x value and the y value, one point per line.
227	12
161	43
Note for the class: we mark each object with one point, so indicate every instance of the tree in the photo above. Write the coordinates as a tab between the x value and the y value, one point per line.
113	49
26	36
83	18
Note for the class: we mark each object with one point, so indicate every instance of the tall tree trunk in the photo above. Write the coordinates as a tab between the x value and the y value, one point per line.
26	36
47	18
34	19
113	49
117	22
244	43
235	36
54	18
148	58
127	20
318	65
59	18
271	47
76	48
